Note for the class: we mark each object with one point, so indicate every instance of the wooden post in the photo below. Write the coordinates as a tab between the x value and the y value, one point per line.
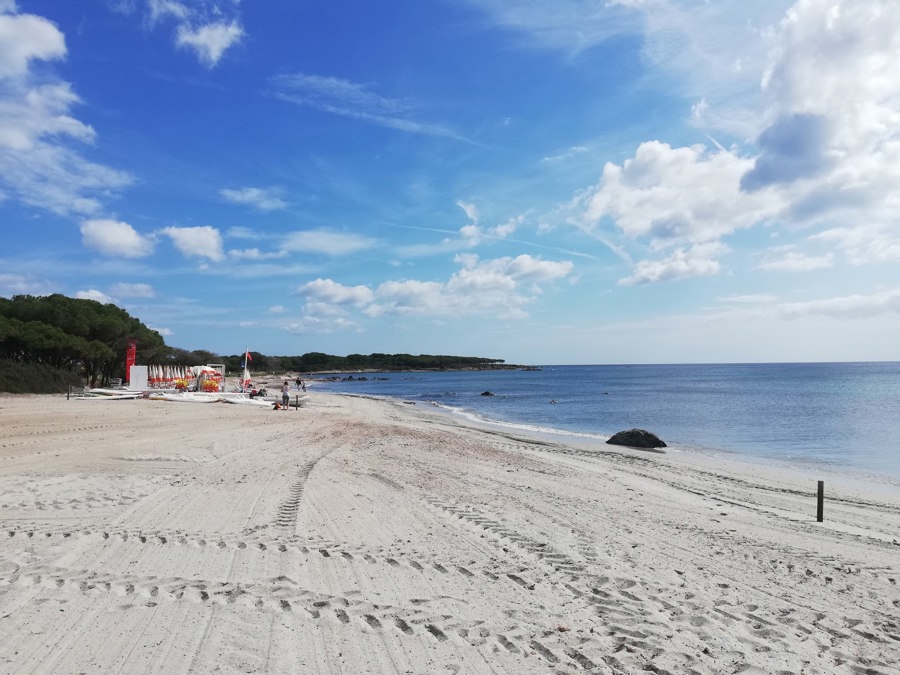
820	502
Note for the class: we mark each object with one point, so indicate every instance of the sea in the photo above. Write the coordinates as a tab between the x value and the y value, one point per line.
839	418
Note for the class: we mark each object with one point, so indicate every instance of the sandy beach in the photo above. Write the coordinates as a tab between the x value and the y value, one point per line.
363	536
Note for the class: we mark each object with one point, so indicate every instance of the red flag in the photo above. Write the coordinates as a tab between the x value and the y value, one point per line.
130	358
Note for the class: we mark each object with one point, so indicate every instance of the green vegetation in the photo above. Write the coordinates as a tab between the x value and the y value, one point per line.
317	362
48	343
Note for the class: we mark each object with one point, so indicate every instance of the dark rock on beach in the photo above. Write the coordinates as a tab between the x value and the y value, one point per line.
637	438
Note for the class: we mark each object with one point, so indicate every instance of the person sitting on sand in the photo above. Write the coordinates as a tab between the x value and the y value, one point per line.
285	394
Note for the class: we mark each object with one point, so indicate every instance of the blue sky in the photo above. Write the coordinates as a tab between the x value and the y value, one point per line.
540	181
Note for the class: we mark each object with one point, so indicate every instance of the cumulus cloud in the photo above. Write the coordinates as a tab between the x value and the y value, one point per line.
501	287
696	261
197	242
826	153
38	164
478	287
325	241
94	294
115	238
24	37
263	199
333	293
676	195
791	148
834	107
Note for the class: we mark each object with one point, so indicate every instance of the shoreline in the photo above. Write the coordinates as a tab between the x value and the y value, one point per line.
810	470
362	535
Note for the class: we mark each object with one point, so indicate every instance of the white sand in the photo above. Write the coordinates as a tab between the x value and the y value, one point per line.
359	536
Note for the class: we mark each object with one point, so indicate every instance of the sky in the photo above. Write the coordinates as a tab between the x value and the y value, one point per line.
538	181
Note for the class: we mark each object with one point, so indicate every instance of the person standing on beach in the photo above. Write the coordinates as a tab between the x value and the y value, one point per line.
285	395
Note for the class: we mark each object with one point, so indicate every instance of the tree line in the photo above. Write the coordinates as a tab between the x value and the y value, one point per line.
50	342
318	362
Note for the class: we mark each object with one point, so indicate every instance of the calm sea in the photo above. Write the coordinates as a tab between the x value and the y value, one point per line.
835	416
839	416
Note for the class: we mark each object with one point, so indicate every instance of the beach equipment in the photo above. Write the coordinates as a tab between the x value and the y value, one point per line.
245	376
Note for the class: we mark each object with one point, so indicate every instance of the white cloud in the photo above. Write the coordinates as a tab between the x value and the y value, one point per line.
569	153
677	195
94	294
211	41
521	268
501	288
277	309
255	254
785	260
24	37
833	110
410	296
478	287
126	290
241	233
504	230
825	123
197	242
350	99
681	264
52	177
264	199
570	26
330	292
328	242
40	112
115	238
470	210
206	27
850	306
17	284
160	9
165	332
37	165
471	235
864	244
